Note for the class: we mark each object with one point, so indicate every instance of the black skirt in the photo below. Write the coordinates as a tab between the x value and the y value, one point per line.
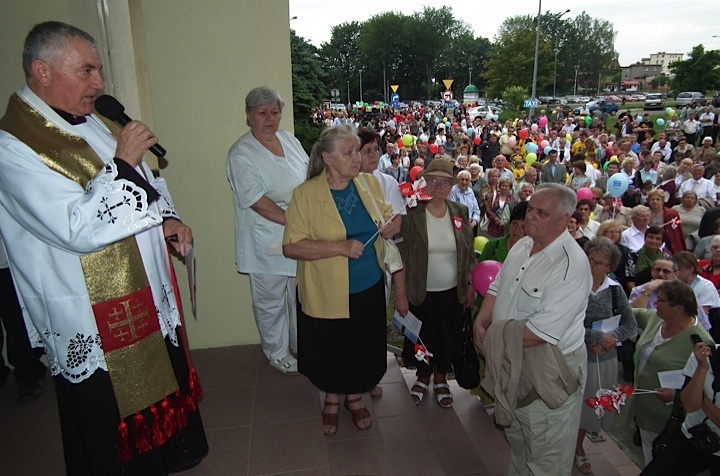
346	356
89	419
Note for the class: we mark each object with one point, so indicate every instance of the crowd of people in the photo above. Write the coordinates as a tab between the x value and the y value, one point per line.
607	241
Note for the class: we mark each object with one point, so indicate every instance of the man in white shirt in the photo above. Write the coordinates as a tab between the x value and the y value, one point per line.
706	121
546	280
634	237
664	147
703	187
385	161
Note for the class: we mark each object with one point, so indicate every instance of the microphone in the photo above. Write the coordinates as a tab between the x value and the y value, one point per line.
111	108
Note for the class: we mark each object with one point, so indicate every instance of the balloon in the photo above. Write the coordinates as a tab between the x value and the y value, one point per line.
407	140
512	142
584	194
382	104
531	147
672	112
484	274
496	117
477	140
530	158
588	120
414	171
523	133
445	119
617	185
610	144
543	121
547	150
515	123
534	127
455	125
544	144
434	148
408	117
480	242
568	137
660	121
437	119
639	119
598	173
377	103
635	148
470	131
668	109
423	138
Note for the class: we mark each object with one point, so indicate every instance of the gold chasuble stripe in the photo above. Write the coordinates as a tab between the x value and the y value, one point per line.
115	276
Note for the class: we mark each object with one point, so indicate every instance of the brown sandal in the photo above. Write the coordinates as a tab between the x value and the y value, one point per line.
358	414
330	419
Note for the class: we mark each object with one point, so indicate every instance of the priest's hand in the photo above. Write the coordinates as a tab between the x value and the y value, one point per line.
178	235
134	140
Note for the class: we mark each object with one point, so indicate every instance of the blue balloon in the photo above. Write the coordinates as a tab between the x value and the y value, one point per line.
660	121
639	119
531	147
635	148
470	131
437	119
617	184
667	110
547	150
496	117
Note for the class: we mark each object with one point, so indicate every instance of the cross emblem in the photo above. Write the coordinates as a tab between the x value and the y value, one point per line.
109	209
126	321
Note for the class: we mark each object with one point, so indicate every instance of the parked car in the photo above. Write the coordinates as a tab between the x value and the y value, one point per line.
613	98
607	106
653	101
483	111
716	101
690	98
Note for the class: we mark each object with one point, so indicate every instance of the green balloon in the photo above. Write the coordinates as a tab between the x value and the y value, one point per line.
588	120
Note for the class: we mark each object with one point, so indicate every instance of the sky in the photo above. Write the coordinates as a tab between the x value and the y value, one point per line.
642	27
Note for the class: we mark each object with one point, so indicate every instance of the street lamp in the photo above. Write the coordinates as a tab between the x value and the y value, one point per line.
557	50
577	68
348	96
361	96
535	66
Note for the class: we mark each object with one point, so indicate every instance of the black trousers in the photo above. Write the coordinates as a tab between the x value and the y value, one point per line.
21	355
441	315
680	459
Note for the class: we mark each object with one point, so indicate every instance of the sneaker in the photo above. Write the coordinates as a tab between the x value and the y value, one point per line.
287	365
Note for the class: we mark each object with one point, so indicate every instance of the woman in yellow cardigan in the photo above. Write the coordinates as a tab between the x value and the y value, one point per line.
331	228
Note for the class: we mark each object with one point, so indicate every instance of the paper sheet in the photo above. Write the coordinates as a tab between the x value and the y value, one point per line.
671	379
409	325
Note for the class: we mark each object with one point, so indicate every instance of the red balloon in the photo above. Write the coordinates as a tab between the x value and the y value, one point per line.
408	117
523	133
477	140
414	171
484	274
434	148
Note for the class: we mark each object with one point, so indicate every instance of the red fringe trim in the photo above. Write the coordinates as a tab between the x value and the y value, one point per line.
168	416
143	436
195	392
123	442
158	438
169	425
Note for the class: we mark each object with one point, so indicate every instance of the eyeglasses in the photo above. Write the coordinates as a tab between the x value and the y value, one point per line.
439	183
598	263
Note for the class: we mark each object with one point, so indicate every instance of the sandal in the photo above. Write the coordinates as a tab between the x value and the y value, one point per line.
418	395
358	414
330	419
376	392
583	462
441	397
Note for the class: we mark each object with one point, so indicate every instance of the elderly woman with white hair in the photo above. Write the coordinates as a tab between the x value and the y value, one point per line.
461	192
263	167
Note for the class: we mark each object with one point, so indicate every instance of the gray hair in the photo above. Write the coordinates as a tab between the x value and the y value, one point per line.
606	247
637	210
669	173
327	143
566	197
715	240
464	173
262	96
46	41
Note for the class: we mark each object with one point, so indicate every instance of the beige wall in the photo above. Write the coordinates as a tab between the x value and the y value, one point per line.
197	62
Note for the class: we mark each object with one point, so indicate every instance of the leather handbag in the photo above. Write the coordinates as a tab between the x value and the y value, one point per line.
466	364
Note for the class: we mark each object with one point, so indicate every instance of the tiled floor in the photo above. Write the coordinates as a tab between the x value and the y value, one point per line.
259	422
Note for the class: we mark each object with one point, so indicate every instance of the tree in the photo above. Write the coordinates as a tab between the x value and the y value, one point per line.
307	77
700	72
341	55
514	96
